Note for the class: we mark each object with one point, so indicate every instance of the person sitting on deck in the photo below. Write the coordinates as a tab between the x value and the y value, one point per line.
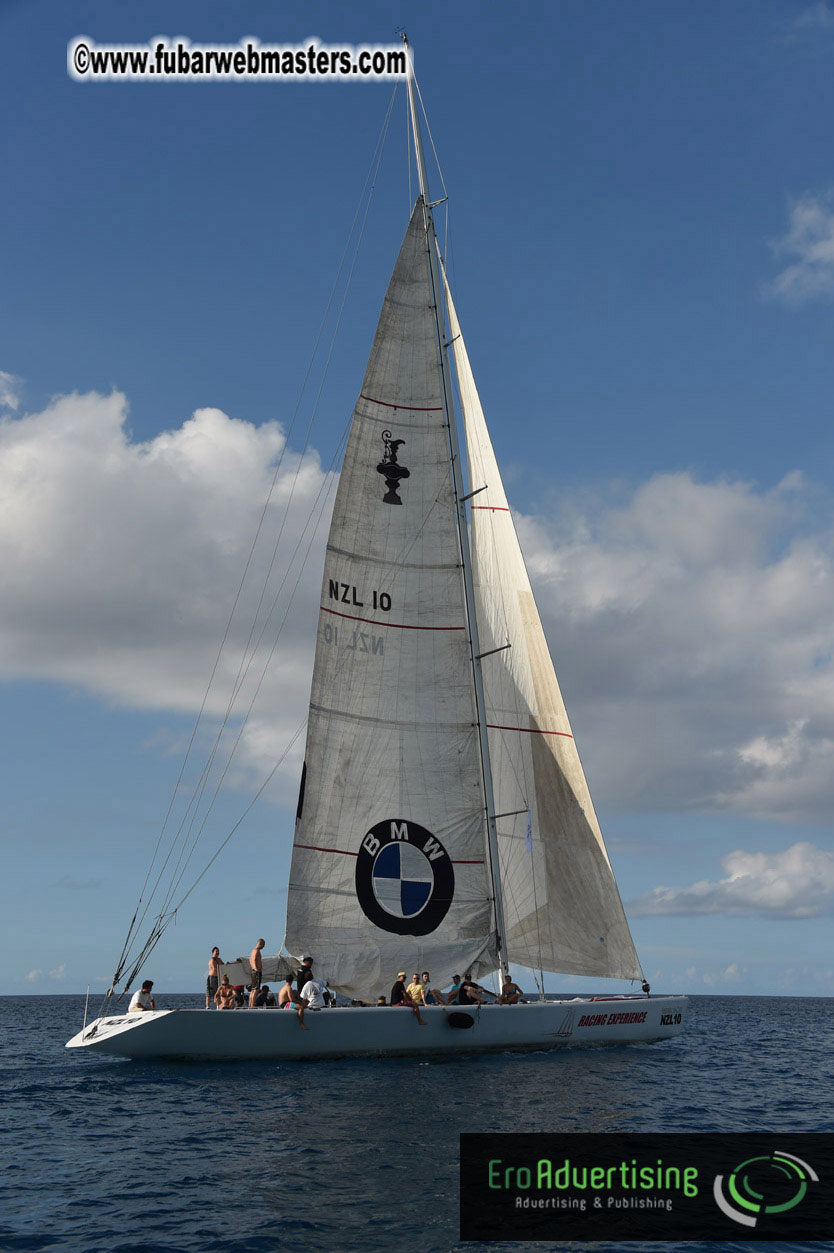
511	993
453	995
401	1000
470	992
288	998
264	998
415	990
143	999
470	982
315	995
430	997
224	997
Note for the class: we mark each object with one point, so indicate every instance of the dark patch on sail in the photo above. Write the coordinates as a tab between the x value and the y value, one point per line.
301	792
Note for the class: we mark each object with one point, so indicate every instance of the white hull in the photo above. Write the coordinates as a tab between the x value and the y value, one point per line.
244	1035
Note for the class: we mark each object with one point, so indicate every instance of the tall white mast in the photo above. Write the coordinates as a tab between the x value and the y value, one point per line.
460	513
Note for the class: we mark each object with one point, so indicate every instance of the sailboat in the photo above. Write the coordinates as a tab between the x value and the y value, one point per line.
444	822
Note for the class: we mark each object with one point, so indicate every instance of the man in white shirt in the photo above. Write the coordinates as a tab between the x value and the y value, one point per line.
313	994
143	999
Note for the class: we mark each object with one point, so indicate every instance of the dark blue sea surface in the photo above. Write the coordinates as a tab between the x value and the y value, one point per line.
110	1156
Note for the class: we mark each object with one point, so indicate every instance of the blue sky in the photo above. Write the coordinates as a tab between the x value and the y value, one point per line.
642	252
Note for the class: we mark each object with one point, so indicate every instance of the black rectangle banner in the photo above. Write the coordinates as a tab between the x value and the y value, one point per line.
718	1186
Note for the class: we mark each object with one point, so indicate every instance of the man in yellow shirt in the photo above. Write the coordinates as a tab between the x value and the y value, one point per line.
415	990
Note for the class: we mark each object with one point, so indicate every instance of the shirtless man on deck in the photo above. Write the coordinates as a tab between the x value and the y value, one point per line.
256	962
213	979
288	998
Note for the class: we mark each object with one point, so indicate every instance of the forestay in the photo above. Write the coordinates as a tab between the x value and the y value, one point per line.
562	908
388	868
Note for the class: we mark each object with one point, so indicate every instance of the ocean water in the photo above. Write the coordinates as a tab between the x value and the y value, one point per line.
110	1156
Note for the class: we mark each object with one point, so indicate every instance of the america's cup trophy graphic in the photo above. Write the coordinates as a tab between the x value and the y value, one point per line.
391	470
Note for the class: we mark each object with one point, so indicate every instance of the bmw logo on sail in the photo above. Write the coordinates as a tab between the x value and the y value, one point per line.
404	878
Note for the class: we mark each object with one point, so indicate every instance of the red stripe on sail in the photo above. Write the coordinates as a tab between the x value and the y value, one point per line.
493	726
493	508
412	408
401	626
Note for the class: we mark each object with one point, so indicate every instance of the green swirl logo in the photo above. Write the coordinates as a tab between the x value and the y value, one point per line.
772	1184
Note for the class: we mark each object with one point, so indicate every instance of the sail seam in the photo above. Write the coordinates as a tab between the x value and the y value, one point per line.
412	408
388	563
494	726
400	626
412	723
317	848
386	420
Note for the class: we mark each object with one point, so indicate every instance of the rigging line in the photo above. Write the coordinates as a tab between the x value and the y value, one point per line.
323	495
379	144
428	128
310	527
408	153
247	659
373	171
157	933
176	880
255	694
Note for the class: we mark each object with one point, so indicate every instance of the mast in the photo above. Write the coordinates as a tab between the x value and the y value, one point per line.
461	518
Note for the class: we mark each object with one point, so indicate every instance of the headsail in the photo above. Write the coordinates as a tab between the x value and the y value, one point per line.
389	863
561	905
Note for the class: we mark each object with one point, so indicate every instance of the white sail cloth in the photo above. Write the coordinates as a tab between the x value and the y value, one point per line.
389	865
561	904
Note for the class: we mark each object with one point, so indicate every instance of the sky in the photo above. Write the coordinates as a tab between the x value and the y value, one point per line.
641	245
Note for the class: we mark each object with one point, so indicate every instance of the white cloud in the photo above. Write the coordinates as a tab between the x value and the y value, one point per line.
692	626
59	974
810	241
34	976
9	391
121	560
819	16
798	883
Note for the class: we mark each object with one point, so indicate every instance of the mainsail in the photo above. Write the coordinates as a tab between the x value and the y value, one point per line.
389	867
561	905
